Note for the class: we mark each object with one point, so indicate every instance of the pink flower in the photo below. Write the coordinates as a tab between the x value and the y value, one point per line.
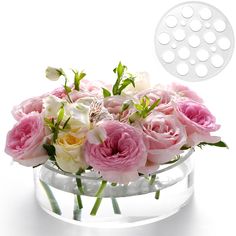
120	156
94	87
165	105
185	92
28	106
24	142
198	121
114	106
165	136
59	92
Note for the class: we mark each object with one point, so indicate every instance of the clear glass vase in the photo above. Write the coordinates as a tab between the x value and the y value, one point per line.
86	199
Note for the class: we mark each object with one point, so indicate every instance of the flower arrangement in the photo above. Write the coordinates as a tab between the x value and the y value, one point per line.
119	131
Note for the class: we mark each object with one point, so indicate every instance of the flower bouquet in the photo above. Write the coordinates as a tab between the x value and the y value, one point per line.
122	144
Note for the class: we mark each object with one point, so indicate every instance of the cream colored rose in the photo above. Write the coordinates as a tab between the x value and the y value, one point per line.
70	152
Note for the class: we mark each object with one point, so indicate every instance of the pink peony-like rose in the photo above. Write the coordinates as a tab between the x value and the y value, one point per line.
165	104
198	121
28	106
120	156
165	136
24	142
185	92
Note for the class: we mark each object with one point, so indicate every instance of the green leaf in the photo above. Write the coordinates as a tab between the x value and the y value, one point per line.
77	78
65	124
185	148
138	107
155	104
218	144
106	93
126	105
60	115
120	70
125	83
51	151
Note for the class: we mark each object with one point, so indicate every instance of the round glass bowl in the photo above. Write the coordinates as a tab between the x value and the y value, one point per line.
87	200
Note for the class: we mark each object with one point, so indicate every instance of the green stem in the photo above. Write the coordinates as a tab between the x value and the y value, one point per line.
157	194
79	201
99	198
96	206
77	209
153	178
52	200
115	205
101	188
79	183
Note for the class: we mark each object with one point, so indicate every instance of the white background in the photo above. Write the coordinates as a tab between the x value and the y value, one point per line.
95	35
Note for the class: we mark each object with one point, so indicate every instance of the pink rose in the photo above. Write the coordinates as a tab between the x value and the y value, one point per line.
185	92
59	92
114	106
198	121
94	87
165	136
24	142
165	104
120	156
28	106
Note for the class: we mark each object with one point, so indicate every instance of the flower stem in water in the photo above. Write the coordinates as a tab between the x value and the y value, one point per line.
52	200
77	209
99	199
157	195
115	205
96	206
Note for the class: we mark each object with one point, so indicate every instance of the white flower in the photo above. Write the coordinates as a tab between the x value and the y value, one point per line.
97	135
52	105
53	73
142	82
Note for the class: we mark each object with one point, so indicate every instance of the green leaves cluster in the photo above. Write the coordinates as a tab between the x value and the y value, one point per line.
77	78
123	80
145	107
55	73
57	125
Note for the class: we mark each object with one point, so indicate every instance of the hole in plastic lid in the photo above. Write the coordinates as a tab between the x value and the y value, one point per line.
171	21
184	53
219	25
164	38
217	61
224	43
194	41
179	34
187	12
168	56
205	13
195	25
213	48
209	37
202	55
182	69
201	70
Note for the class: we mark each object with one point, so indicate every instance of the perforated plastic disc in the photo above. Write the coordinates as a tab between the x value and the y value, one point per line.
194	41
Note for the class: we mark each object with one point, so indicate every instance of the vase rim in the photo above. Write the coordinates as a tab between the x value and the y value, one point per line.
50	165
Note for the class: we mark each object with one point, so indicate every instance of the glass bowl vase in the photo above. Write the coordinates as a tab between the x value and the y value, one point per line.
85	199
